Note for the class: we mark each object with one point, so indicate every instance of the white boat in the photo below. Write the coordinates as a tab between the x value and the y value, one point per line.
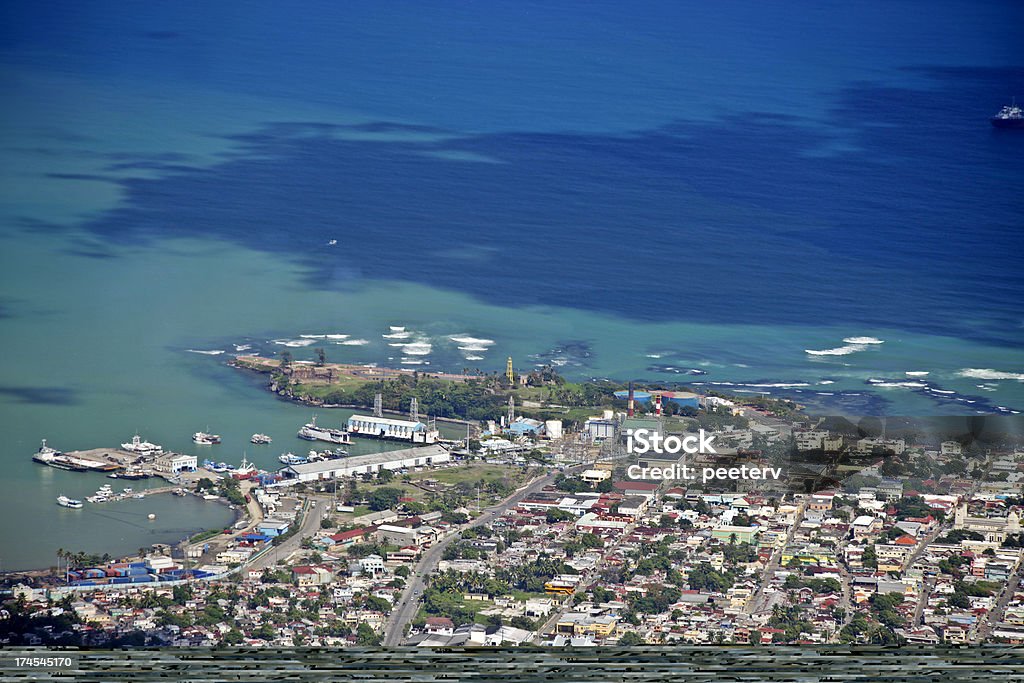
292	459
260	439
311	432
66	502
245	468
332	243
210	496
128	489
205	438
137	445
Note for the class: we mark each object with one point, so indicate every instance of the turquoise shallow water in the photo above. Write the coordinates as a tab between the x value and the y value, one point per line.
673	193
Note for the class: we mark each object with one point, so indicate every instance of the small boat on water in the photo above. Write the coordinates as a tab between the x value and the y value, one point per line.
205	438
66	502
260	439
292	459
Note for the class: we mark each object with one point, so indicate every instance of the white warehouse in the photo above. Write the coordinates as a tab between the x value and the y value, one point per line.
366	464
389	428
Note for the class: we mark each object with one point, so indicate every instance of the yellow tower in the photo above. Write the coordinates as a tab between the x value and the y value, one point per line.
508	371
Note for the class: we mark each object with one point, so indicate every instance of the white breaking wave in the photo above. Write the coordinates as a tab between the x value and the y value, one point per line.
419	348
890	384
838	351
242	347
918	373
474	357
473	341
215	352
295	343
397	335
654	355
863	340
780	385
986	373
396	329
473	347
354	342
324	336
411	361
826	381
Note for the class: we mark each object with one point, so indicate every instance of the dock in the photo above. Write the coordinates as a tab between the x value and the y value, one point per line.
101	459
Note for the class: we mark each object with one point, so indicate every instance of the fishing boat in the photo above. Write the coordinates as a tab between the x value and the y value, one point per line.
66	502
244	470
205	438
260	439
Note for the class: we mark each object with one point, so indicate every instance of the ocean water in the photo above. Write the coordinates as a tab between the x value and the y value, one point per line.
759	197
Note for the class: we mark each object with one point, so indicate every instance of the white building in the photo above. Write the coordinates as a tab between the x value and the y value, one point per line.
366	464
951	448
388	428
172	463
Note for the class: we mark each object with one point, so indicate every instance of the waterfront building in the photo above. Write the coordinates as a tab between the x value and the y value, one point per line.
389	428
365	464
173	463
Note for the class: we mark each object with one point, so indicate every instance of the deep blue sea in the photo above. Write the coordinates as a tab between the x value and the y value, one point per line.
792	198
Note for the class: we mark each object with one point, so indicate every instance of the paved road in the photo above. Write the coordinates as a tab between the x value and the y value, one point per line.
989	620
310	525
773	565
408	604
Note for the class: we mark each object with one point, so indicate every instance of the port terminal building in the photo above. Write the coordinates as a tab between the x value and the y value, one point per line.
364	464
389	428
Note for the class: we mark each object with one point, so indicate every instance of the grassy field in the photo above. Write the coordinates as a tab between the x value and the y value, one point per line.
472	474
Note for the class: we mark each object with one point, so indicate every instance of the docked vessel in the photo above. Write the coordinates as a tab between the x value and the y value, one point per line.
244	470
54	458
137	445
1010	116
292	459
311	432
260	439
66	502
205	438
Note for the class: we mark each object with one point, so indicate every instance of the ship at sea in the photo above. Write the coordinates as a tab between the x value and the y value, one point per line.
311	432
1010	116
66	502
260	439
